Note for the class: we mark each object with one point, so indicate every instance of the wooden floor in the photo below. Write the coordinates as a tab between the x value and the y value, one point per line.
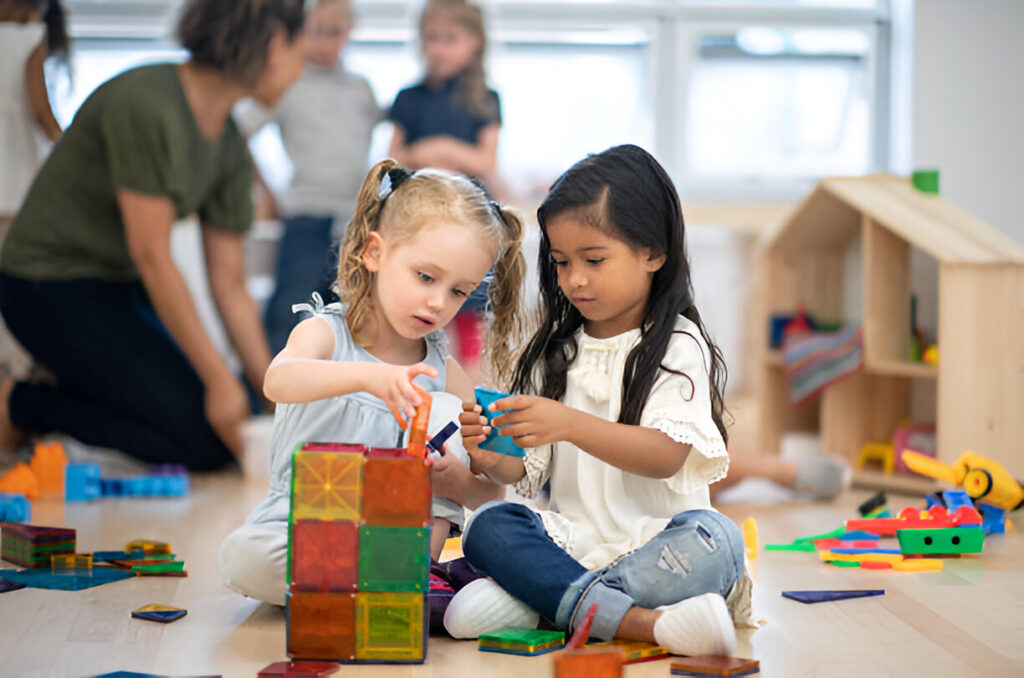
967	620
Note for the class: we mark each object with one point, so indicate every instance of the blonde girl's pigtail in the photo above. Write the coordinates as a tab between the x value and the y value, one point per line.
506	328
354	280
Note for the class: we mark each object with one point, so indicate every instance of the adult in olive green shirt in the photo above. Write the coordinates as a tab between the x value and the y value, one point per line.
87	282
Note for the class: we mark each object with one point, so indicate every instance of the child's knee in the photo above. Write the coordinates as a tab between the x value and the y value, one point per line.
252	561
719	534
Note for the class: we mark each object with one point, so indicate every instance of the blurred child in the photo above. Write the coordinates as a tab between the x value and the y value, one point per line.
418	244
326	121
451	120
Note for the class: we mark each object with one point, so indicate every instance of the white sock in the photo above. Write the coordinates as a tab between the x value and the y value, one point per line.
697	626
482	606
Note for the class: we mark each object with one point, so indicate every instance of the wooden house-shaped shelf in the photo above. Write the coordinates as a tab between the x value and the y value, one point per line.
860	233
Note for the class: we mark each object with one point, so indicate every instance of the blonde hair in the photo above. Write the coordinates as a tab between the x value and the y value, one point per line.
472	83
424	198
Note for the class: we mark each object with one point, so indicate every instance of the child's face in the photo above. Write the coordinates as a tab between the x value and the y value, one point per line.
448	48
608	281
422	282
327	27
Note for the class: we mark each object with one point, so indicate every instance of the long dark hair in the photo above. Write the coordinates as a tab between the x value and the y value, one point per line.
625	192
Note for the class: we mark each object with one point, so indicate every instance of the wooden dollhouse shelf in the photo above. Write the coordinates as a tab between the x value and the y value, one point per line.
862	231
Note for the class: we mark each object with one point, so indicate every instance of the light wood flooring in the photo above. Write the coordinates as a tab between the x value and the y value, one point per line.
967	620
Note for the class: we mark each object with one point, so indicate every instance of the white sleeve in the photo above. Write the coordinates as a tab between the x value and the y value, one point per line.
537	464
680	407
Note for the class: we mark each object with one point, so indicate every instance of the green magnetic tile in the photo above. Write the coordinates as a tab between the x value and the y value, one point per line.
390	626
521	636
394	558
938	541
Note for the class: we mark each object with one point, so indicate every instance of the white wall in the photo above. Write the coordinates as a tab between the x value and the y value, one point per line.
969	105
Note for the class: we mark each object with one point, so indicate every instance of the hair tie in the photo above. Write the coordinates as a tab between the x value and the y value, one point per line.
391	181
498	212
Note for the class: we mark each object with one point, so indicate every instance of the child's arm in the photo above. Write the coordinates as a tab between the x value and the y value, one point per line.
479	159
500	467
38	99
639	450
303	371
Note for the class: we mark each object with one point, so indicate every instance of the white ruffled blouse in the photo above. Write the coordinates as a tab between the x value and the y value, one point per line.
598	512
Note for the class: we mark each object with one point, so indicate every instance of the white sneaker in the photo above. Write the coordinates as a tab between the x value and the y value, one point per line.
482	606
697	626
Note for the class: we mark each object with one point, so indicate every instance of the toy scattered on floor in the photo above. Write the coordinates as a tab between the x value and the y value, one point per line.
872	505
83	483
71	563
810	597
495	442
20	480
750	538
636	651
148	547
48	464
6	586
14	508
709	666
919	438
359	551
580	661
299	669
132	674
44	579
163	614
33	545
943	541
984	480
911	518
525	642
877	452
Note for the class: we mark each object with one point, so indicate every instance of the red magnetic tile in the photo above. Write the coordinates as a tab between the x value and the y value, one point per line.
325	555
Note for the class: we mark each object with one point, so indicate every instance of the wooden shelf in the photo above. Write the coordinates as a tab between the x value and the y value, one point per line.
903	368
897	483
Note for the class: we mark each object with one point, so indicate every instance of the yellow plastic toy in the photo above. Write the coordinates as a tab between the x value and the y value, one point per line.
880	452
750	538
982	478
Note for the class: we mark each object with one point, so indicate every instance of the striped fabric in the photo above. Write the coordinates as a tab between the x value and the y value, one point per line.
814	360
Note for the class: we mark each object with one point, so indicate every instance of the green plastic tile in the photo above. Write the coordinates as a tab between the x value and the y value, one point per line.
941	540
394	558
390	627
522	638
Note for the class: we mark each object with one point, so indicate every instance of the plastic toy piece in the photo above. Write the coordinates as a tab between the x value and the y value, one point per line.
394	559
6	586
327	485
164	614
14	508
396	489
582	632
82	482
859	551
526	642
494	442
941	541
910	518
175	567
873	504
635	651
34	545
837	544
435	443
880	452
709	665
832	534
926	181
981	477
62	564
750	538
106	556
20	480
591	662
868	565
833	557
324	556
810	597
391	627
418	434
806	547
44	579
148	547
48	463
846	563
321	625
299	669
133	674
993	519
918	565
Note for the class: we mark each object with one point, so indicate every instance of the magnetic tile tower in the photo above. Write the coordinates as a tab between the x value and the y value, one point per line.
359	552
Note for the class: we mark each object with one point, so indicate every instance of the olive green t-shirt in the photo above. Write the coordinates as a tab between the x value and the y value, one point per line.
134	132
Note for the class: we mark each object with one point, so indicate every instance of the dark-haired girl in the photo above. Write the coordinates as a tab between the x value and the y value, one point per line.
87	282
621	408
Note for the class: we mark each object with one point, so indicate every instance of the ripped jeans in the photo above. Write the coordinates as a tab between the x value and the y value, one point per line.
698	552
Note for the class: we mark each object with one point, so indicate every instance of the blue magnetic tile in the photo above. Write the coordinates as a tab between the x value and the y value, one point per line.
106	556
826	596
162	616
859	550
6	586
698	674
495	442
521	653
133	674
443	435
858	535
43	579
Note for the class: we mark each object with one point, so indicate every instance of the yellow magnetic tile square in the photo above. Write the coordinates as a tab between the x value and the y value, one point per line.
326	485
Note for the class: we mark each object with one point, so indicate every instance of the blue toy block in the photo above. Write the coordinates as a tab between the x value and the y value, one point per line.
993	519
956	498
78	579
6	586
809	597
443	435
82	482
494	441
858	535
14	508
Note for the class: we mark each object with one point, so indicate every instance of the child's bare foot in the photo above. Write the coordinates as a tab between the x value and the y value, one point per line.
10	436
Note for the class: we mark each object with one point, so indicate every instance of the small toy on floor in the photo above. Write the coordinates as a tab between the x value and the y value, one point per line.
33	545
710	666
579	661
298	669
809	597
526	642
163	614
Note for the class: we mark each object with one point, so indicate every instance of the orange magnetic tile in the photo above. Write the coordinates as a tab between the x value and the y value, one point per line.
321	625
396	489
325	555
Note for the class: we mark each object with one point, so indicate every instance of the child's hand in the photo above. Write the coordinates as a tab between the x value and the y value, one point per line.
450	476
393	385
473	425
534	421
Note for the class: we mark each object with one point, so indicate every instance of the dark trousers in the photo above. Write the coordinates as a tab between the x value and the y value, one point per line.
121	381
306	263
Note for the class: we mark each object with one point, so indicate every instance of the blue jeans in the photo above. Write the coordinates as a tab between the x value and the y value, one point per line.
306	262
698	552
